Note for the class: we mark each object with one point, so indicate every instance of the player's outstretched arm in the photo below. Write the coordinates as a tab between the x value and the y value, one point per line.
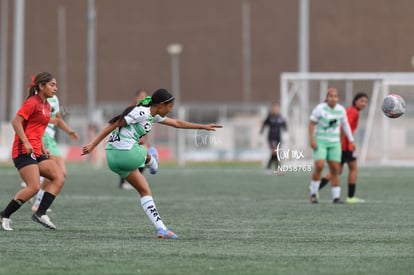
88	148
182	124
61	123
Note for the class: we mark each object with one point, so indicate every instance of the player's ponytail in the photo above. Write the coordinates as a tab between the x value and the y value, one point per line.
40	78
122	115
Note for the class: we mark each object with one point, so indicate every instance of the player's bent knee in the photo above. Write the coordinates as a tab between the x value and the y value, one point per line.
60	180
57	179
34	189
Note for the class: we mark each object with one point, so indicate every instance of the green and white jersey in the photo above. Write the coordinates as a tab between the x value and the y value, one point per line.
139	123
54	109
329	121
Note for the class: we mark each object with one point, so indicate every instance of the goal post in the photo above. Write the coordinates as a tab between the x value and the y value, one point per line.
379	140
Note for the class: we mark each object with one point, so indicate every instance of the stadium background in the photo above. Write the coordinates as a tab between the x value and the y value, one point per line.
132	36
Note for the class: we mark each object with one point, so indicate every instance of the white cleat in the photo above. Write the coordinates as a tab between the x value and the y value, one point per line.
5	224
43	220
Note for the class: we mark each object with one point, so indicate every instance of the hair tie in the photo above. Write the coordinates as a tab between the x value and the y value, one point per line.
32	84
145	102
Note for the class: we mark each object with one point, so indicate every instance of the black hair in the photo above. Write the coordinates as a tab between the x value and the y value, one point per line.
40	78
158	97
358	96
161	96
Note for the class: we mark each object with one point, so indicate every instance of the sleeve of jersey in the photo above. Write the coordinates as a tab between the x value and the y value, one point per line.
315	114
159	119
135	116
27	109
347	129
266	121
352	115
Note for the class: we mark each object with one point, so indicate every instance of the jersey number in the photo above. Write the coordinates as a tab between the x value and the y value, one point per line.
114	137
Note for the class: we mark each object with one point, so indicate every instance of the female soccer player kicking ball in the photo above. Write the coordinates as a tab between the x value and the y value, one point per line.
124	155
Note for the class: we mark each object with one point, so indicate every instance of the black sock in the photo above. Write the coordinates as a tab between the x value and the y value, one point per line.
45	204
12	207
121	181
269	163
324	182
275	160
351	189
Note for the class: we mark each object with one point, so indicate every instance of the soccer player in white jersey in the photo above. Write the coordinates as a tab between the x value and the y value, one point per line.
124	155
349	157
139	95
325	139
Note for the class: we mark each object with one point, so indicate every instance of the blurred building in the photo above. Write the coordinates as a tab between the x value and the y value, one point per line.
132	36
223	42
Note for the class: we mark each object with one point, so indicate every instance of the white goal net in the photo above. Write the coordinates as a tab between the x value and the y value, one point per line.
379	140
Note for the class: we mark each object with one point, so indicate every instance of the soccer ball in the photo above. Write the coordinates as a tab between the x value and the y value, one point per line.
393	106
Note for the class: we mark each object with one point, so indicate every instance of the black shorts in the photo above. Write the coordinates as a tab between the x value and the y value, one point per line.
348	156
24	160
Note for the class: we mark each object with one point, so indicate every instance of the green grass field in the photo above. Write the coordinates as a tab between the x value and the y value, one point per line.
230	220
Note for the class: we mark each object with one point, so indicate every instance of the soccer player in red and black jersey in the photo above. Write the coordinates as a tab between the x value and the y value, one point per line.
359	103
29	155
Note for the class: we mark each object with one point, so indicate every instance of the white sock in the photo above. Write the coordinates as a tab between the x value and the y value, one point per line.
148	205
336	192
315	186
39	196
152	164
